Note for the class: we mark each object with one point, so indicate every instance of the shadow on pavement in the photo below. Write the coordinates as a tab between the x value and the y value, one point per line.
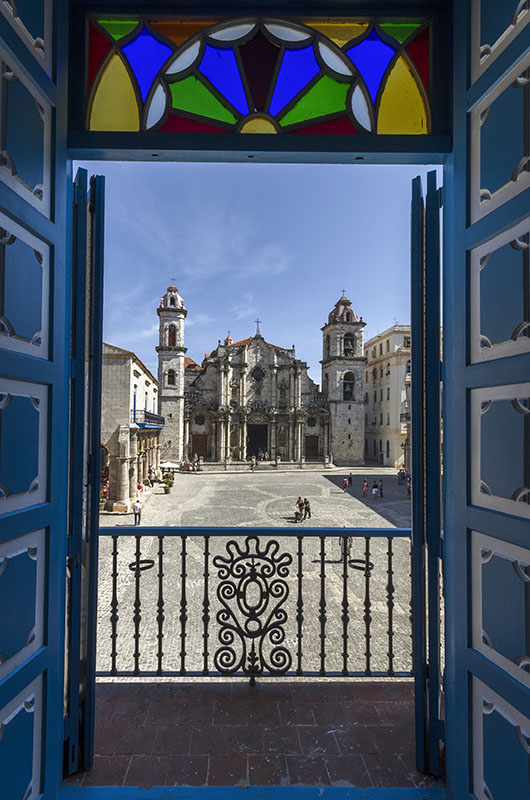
384	506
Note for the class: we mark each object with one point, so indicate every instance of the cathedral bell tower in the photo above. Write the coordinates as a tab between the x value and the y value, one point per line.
172	313
343	382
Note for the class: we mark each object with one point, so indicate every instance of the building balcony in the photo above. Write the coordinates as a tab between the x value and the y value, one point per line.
405	417
180	703
146	419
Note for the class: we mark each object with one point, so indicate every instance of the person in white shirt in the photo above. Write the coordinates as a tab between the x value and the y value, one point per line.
137	508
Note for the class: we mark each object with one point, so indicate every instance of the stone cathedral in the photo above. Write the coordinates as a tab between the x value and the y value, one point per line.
252	397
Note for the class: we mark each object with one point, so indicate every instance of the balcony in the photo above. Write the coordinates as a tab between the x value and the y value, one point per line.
405	417
226	660
146	419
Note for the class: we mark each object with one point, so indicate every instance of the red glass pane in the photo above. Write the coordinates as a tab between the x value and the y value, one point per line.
185	125
99	46
342	125
418	50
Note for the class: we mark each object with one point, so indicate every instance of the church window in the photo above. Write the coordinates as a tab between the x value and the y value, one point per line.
380	348
388	345
199	419
172	336
388	419
348	386
258	374
388	393
184	75
375	397
349	344
172	301
406	341
387	449
326	384
349	421
327	347
374	353
171	377
311	422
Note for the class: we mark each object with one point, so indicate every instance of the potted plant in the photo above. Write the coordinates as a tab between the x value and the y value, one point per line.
168	483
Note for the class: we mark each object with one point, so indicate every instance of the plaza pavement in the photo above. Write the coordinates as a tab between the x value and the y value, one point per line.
261	500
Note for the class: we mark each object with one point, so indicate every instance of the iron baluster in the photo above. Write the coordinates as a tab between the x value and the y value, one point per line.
299	609
137	616
345	608
206	606
367	606
390	606
183	609
114	607
160	606
411	615
322	615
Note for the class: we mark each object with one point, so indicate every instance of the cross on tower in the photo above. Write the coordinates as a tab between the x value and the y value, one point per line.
344	292
173	281
257	321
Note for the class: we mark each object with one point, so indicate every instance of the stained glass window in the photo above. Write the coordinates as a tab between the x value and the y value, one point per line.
259	75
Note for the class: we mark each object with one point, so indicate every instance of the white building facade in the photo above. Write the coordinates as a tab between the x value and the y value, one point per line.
386	396
130	425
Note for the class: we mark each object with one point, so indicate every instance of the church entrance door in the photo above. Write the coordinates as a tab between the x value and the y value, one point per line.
199	444
311	446
256	439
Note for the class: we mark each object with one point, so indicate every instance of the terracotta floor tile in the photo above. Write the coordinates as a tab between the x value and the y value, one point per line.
359	713
388	770
348	771
105	738
368	691
393	738
399	690
282	739
229	770
396	713
307	771
265	714
129	712
229	713
355	740
267	770
421	780
208	741
107	771
171	739
117	691
316	739
244	739
135	740
147	771
196	713
187	771
163	712
330	713
296	713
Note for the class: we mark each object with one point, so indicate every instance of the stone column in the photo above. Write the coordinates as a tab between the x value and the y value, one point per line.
291	389
220	439
244	437
298	390
300	455
186	442
273	439
221	385
274	398
291	440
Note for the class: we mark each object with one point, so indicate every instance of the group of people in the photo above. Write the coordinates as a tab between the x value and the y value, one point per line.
375	491
405	479
189	466
303	509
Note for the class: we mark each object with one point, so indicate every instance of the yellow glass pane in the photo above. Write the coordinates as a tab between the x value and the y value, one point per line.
402	108
114	107
179	32
258	124
339	32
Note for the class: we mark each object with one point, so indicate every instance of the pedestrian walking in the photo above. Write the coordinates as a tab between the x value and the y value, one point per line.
345	483
364	488
300	510
137	510
375	490
409	486
350	479
307	508
380	488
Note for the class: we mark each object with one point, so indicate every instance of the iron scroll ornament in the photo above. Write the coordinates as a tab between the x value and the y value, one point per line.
252	592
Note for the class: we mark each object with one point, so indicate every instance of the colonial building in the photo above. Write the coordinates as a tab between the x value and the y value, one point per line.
387	401
252	396
130	425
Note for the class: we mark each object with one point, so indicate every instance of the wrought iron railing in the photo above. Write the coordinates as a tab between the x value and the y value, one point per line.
212	602
143	417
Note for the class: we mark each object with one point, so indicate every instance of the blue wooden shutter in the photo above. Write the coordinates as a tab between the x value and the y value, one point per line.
34	352
486	406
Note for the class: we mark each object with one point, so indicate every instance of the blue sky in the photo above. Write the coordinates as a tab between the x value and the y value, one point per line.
247	240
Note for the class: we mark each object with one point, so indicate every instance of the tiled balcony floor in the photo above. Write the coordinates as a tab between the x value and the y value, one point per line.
229	734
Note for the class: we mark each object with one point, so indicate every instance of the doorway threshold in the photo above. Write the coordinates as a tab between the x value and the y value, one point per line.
250	793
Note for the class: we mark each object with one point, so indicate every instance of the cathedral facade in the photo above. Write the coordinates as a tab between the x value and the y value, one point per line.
251	397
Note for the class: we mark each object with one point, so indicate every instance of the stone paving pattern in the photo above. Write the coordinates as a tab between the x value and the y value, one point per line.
224	734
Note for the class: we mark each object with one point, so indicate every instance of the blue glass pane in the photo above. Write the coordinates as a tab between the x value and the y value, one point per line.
504	755
297	69
146	55
220	67
371	57
19	433
18	585
16	754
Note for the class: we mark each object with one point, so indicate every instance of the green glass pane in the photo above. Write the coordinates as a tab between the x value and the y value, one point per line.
192	96
325	97
118	28
400	30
